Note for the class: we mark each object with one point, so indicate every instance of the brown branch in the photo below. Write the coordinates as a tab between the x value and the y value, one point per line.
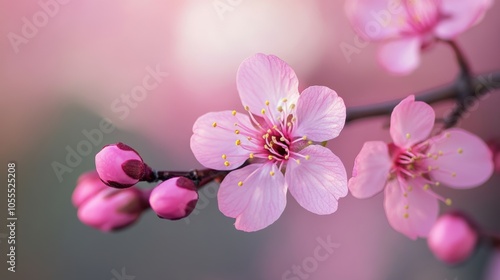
481	84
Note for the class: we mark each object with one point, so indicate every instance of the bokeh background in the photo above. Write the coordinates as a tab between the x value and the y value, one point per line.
89	54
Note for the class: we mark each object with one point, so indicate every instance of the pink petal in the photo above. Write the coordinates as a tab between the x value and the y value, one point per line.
209	143
458	16
400	56
376	19
259	202
371	170
317	183
320	114
464	154
411	122
422	209
262	78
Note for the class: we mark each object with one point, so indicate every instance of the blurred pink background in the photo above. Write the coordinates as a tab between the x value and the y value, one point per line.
91	53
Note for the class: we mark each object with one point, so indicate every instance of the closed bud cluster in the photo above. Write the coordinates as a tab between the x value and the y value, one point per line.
105	208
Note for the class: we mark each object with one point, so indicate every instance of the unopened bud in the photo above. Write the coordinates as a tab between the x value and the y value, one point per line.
452	238
174	199
120	166
112	209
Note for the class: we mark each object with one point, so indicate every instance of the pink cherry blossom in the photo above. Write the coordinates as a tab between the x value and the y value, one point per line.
413	164
407	26
278	138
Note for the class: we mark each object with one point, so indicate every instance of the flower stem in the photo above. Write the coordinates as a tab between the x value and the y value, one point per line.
199	177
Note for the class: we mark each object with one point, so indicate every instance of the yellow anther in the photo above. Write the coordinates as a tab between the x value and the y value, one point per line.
292	106
269	131
249	138
224	156
214	124
289	124
304	137
453	174
247	108
284	100
407	206
435	157
410	167
460	150
238	142
226	163
448	202
427	186
240	183
437	184
298	161
429	168
429	155
270	157
410	188
282	139
309	142
406	215
448	135
263	111
266	147
271	173
408	135
250	155
280	109
237	131
308	157
233	112
267	102
287	156
440	153
405	194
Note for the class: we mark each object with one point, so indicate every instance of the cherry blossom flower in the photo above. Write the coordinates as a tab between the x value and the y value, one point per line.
279	140
413	164
407	26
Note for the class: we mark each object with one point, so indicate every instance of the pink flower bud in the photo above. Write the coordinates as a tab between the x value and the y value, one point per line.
88	185
112	209
120	166
174	199
452	238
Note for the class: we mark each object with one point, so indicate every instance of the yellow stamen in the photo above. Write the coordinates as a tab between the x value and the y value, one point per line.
238	142
226	163
214	124
240	183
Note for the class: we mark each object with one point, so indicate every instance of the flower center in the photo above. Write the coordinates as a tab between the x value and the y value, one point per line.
418	162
